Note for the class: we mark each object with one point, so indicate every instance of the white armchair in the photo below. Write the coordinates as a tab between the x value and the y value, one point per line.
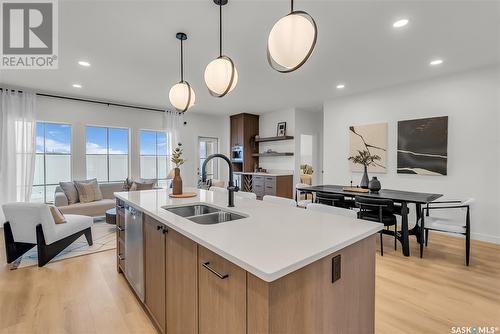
31	224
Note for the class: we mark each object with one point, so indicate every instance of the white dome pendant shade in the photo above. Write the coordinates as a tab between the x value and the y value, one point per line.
181	94
291	41
220	74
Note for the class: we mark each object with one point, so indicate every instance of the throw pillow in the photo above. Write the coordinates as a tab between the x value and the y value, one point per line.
57	215
88	191
70	191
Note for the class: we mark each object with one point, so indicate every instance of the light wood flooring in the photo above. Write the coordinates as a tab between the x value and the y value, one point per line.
413	295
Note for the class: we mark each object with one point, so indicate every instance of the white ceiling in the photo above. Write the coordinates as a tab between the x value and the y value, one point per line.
135	56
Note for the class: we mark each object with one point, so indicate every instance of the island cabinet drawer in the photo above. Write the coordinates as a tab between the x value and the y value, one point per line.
222	294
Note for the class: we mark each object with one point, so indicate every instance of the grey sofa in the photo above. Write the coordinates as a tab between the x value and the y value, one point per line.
93	209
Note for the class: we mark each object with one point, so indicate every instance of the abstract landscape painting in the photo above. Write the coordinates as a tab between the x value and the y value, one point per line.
423	146
371	138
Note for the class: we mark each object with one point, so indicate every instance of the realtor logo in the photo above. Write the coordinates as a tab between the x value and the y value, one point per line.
29	34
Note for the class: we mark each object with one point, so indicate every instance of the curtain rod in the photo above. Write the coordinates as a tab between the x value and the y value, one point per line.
93	101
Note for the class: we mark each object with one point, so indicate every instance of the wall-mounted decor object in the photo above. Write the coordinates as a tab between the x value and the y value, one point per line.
220	74
291	41
281	129
423	146
181	94
371	138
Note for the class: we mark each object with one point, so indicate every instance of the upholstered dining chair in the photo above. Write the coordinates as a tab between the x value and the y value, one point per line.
332	210
245	195
279	200
218	189
445	223
31	224
334	200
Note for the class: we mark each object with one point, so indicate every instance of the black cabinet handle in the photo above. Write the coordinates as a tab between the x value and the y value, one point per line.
120	257
159	227
213	271
121	229
164	230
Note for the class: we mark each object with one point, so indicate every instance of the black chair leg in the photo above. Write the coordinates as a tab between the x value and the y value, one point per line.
467	248
426	236
381	244
395	237
88	236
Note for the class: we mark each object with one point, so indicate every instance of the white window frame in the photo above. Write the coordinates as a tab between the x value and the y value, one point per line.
168	156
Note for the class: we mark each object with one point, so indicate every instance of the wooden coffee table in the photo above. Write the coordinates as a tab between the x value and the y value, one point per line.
111	216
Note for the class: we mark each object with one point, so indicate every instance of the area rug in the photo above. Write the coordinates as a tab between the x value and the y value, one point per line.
103	235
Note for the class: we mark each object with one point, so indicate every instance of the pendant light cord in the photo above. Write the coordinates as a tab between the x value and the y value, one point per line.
291	6
220	28
182	63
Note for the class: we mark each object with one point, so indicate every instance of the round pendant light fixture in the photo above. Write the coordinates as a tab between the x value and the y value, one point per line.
220	74
291	41
181	94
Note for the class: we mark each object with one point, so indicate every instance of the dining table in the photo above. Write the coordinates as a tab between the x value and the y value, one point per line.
404	198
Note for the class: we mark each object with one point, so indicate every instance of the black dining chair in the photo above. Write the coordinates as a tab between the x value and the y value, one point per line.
334	200
445	223
381	211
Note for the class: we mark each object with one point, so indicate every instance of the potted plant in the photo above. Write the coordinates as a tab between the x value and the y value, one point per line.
178	161
366	159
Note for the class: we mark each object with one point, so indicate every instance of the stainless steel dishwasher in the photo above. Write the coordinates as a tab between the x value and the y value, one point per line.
134	260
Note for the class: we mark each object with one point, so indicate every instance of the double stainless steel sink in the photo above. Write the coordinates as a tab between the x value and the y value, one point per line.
203	214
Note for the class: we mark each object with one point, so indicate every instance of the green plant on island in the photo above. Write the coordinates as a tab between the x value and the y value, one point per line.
307	169
177	156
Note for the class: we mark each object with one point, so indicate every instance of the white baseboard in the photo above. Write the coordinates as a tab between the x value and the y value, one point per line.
485	237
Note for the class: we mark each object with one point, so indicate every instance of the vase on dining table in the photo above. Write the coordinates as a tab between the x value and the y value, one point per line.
364	179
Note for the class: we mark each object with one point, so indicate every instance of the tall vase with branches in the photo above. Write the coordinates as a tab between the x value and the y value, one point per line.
365	159
177	160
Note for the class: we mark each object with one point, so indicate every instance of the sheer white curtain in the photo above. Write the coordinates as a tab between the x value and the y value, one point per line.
17	146
172	125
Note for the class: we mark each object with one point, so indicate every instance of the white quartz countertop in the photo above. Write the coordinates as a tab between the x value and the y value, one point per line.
272	242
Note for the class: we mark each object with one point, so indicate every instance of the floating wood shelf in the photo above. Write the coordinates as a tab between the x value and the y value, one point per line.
277	138
273	154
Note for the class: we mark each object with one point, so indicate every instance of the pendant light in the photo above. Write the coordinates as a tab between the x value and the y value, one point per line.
220	74
291	41
181	94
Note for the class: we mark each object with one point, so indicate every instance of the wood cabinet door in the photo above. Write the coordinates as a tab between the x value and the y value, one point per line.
182	284
222	299
154	269
236	130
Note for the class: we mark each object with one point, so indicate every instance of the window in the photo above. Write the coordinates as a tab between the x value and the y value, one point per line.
107	153
208	146
52	161
155	160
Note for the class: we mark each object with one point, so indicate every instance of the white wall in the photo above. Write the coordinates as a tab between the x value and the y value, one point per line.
470	100
80	114
268	123
309	122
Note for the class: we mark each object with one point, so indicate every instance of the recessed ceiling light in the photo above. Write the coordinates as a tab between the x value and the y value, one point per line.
77	86
84	63
400	23
340	86
436	62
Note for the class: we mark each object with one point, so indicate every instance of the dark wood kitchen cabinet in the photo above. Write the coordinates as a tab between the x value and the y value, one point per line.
244	128
154	266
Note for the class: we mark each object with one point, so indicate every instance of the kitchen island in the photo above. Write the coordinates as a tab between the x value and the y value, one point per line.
274	270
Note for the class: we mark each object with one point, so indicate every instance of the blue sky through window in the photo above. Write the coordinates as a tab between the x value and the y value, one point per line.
97	140
57	138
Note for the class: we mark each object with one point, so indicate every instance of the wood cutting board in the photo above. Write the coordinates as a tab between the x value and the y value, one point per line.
355	190
183	195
